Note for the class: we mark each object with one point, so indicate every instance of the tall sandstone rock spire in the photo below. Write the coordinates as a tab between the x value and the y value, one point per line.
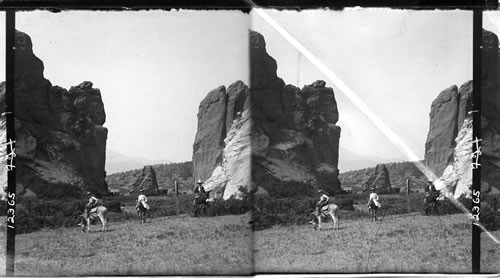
221	149
272	136
449	142
60	138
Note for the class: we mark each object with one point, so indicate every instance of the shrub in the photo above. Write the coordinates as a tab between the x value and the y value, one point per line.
33	214
279	189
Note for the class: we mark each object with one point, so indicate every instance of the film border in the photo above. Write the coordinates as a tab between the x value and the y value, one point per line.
9	6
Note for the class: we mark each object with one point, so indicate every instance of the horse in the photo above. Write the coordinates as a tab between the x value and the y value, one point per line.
431	202
141	212
200	203
100	212
372	209
332	210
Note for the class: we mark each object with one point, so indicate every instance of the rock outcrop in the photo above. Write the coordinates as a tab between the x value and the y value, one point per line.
452	162
288	138
294	136
146	181
447	114
399	173
457	177
379	179
221	150
3	155
490	116
60	138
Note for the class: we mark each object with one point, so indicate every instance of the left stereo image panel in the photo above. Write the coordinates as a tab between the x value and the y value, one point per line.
132	144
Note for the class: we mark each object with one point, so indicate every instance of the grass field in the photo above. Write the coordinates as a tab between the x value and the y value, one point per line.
166	245
400	243
490	253
221	245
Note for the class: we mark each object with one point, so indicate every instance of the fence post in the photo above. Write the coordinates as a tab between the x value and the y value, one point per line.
176	188
408	194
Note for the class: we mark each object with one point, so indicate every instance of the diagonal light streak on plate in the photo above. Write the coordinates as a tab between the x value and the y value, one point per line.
364	108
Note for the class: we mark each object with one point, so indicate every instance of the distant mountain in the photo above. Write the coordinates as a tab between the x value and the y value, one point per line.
349	161
116	162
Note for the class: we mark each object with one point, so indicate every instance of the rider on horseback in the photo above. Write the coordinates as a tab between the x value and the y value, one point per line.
430	187
323	201
91	204
142	200
430	192
199	190
373	198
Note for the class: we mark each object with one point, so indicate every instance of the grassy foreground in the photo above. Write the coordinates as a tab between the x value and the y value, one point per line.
166	245
403	243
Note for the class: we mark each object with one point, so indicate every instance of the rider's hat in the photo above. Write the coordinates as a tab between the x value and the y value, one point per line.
141	190
199	181
88	193
373	188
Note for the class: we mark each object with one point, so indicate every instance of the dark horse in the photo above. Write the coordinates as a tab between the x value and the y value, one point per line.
141	212
431	202
372	208
200	203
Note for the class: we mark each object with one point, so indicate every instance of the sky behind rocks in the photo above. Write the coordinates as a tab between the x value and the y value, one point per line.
153	69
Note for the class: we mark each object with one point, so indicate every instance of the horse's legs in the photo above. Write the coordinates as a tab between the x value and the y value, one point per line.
103	222
335	220
88	225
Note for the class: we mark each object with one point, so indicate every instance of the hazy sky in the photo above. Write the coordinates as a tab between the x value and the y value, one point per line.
398	61
153	68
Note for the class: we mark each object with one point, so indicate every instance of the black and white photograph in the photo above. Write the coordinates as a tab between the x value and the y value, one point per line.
362	118
272	141
127	124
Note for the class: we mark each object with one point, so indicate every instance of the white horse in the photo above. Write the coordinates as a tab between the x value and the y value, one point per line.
100	212
332	210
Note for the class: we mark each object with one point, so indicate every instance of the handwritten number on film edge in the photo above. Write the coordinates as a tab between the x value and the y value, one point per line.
11	213
475	209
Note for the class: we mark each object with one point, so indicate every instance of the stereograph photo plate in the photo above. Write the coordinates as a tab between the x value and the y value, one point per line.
263	141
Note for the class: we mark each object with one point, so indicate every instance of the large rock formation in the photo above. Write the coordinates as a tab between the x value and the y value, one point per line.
60	138
447	114
221	150
490	116
457	177
146	181
3	155
452	162
291	132
294	137
379	179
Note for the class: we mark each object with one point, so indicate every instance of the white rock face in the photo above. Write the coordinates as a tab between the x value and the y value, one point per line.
457	177
3	159
235	169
